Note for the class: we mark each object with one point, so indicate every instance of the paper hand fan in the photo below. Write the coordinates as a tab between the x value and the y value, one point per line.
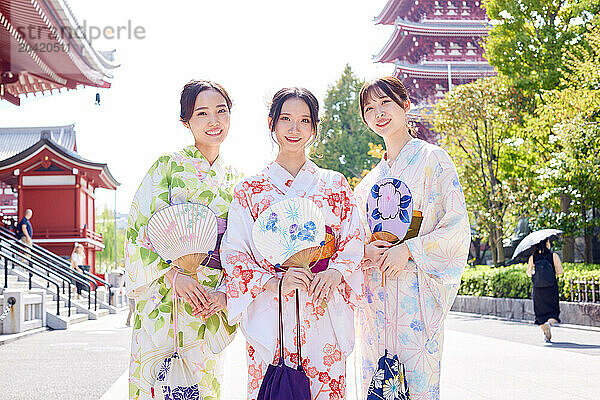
389	210
183	234
290	233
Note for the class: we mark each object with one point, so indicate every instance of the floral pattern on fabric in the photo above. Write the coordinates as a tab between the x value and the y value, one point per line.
182	393
389	381
427	288
326	333
175	178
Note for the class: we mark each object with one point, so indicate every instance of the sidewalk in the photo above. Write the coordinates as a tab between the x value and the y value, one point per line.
483	359
494	359
80	363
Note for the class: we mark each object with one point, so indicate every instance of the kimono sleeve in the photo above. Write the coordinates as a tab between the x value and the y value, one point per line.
442	252
350	248
142	265
244	277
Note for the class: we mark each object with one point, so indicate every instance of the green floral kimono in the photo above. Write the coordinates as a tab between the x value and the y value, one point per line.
175	178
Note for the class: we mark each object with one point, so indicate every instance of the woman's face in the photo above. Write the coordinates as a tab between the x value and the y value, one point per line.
384	116
293	129
210	120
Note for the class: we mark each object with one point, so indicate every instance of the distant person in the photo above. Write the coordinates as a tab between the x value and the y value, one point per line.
543	268
77	262
131	311
24	229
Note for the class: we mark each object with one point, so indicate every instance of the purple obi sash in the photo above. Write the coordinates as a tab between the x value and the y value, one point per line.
215	260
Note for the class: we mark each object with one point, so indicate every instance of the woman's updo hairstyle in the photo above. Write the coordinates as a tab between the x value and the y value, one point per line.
191	90
299	93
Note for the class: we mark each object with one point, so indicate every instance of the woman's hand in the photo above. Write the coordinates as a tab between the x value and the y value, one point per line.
394	260
296	278
272	285
323	285
375	249
218	301
189	289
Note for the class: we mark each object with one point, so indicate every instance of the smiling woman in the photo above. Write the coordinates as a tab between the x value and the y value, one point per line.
196	174
205	111
317	302
409	286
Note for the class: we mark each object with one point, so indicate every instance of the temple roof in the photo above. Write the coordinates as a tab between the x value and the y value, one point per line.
445	27
392	9
440	71
55	55
21	145
15	140
404	30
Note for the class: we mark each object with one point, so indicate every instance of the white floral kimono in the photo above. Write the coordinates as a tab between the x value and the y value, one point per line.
425	291
327	334
181	177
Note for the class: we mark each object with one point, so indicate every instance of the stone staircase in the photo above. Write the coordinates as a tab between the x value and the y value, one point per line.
79	312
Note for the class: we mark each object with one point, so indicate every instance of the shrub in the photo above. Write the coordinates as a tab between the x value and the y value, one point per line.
513	281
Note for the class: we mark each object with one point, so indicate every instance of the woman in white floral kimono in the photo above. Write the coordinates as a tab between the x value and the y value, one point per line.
196	174
327	330
423	273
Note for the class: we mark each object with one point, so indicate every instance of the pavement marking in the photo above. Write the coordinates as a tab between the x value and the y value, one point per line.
119	390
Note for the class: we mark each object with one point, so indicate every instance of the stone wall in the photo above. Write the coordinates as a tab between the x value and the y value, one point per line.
522	309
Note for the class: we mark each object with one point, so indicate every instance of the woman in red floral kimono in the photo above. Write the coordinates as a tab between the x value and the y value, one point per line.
327	292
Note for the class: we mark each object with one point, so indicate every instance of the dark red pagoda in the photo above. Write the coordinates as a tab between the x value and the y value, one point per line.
435	45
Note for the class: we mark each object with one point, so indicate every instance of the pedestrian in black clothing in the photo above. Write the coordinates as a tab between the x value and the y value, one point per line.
24	229
543	268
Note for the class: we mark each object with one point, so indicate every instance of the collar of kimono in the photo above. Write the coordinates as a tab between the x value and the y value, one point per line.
290	186
218	166
405	158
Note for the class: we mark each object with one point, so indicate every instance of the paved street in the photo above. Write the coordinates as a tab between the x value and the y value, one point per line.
483	359
79	363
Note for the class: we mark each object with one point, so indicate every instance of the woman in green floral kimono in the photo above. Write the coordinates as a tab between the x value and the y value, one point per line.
196	174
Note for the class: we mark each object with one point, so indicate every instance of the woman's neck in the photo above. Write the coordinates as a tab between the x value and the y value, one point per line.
211	153
291	162
394	144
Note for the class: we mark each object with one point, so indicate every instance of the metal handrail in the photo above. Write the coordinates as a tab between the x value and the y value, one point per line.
62	265
65	276
33	272
66	265
48	253
40	262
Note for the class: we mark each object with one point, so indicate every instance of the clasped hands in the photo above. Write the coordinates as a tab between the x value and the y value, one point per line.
390	259
320	286
204	304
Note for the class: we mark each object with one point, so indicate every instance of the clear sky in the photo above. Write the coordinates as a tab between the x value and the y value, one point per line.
253	48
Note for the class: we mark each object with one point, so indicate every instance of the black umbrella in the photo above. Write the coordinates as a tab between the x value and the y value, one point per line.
534	238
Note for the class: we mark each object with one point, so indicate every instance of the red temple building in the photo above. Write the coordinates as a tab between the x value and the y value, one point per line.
435	45
41	169
43	49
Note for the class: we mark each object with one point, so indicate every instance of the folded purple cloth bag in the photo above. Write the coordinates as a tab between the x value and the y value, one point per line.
282	382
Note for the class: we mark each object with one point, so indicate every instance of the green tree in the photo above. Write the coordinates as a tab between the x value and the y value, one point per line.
344	136
566	125
479	122
529	37
105	225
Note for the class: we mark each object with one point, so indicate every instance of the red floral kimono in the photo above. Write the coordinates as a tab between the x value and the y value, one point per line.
327	334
